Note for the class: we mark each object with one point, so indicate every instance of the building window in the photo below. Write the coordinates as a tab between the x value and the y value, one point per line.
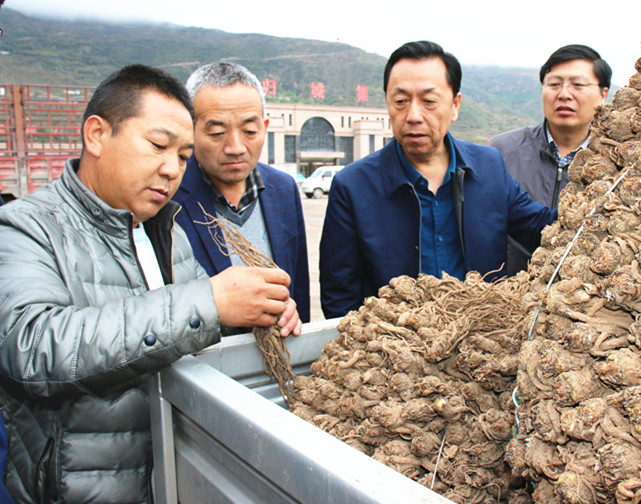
346	145
317	134
290	148
290	119
270	147
372	143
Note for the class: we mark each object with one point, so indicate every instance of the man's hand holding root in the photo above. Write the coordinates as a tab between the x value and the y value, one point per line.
247	297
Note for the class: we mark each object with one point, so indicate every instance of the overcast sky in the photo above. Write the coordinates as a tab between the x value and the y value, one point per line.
501	32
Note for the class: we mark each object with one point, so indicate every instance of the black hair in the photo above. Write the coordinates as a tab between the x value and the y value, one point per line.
424	49
571	52
117	98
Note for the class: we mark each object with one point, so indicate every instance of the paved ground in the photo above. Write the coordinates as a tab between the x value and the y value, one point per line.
314	211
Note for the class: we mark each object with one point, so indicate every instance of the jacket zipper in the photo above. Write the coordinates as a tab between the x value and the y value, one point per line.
557	187
42	473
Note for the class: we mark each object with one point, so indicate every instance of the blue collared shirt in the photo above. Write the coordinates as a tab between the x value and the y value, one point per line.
440	245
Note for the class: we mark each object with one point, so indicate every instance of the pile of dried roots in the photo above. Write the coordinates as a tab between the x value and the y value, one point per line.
579	379
421	379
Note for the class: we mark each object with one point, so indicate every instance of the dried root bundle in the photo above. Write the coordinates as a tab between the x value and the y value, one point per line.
271	345
420	378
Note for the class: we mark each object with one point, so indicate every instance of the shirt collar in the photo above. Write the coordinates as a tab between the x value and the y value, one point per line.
567	159
413	176
254	186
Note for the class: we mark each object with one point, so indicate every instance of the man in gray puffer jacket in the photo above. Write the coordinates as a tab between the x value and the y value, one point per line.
98	288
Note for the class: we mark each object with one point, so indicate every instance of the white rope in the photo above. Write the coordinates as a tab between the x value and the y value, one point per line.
437	460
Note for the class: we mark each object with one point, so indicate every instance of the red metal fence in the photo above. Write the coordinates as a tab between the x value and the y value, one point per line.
39	131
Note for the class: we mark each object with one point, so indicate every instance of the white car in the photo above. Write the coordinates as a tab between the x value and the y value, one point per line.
319	182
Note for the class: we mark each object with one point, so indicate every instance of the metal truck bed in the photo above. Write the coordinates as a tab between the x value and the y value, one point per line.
222	434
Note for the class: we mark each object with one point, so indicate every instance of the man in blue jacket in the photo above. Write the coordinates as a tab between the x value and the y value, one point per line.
224	179
426	202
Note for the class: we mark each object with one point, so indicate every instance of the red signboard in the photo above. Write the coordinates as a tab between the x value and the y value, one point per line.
269	87
361	93
318	90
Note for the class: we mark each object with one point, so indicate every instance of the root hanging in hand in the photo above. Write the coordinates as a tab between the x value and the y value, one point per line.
270	343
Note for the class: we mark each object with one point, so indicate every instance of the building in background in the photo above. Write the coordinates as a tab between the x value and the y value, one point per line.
40	130
301	138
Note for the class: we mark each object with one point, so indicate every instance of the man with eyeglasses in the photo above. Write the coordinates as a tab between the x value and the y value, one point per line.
575	80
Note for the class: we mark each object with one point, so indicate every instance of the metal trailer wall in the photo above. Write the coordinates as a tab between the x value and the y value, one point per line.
222	434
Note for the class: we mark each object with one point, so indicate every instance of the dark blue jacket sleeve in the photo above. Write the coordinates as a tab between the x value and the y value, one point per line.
341	276
527	217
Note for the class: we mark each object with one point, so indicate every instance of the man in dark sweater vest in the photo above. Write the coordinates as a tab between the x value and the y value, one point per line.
224	179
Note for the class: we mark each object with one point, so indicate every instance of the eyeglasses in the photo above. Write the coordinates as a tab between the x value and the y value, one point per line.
574	87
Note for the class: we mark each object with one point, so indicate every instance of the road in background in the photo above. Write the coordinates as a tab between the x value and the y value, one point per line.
314	212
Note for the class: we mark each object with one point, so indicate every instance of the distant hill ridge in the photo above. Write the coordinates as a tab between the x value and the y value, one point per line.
46	51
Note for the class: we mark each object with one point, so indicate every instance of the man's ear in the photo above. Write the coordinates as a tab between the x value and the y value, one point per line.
94	132
604	94
456	107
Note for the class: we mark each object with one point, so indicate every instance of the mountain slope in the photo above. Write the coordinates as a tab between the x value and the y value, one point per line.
45	51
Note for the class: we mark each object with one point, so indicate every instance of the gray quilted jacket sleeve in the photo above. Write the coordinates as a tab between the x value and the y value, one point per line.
75	313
